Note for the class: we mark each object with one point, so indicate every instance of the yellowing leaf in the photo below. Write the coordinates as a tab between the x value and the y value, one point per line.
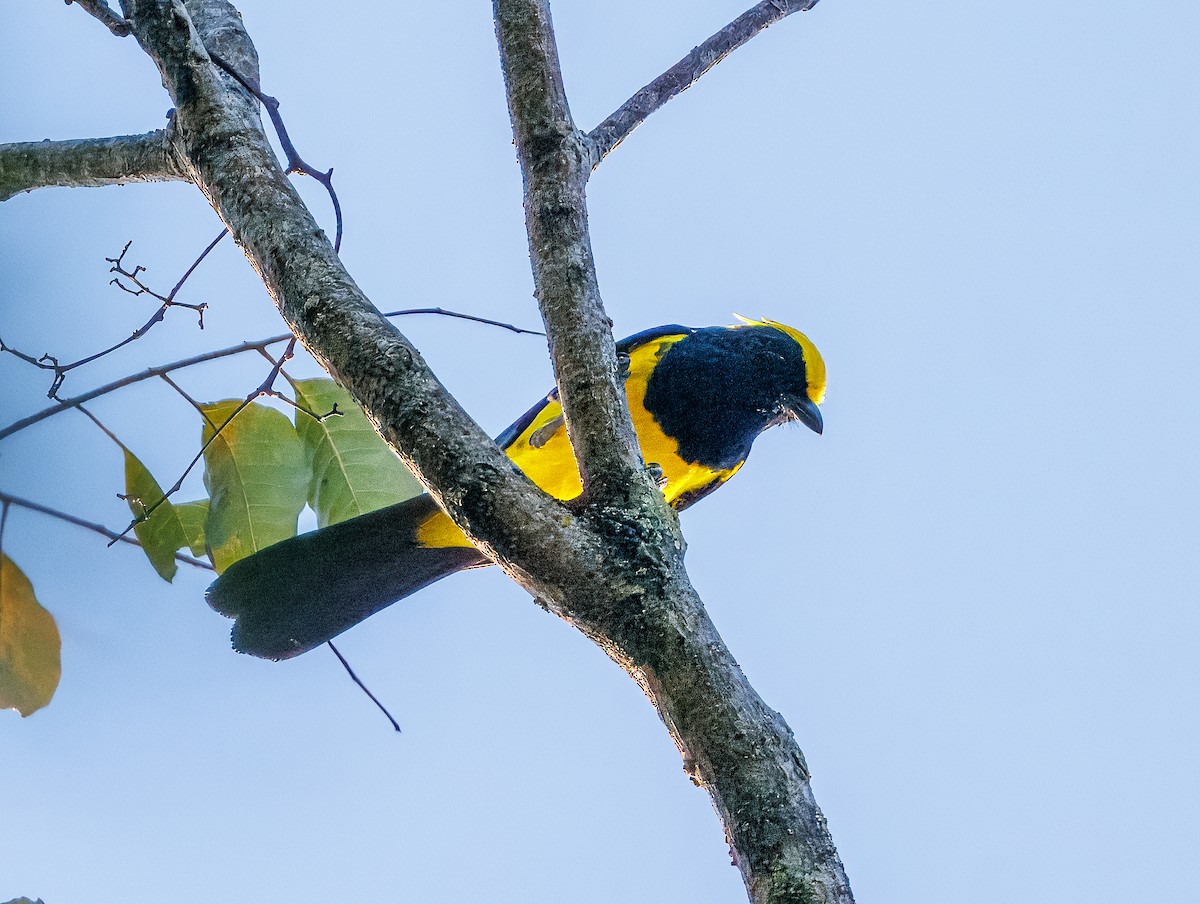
191	516
256	472
30	663
162	534
353	470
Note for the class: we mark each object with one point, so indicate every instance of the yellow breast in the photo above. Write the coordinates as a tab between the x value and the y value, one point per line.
543	452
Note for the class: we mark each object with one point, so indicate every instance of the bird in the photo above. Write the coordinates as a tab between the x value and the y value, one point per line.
698	397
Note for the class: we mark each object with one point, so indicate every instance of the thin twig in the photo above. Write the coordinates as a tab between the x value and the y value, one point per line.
8	499
288	400
180	390
105	14
162	369
130	380
149	510
118	267
196	263
365	689
295	163
472	317
266	388
606	136
128	499
50	362
103	429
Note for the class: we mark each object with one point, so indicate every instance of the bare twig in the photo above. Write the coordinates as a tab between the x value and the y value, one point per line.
365	689
102	427
8	499
159	371
444	313
168	301
50	362
288	400
180	390
89	162
610	133
192	269
295	163
105	14
148	374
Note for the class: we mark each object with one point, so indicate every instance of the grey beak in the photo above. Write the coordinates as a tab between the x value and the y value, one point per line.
808	414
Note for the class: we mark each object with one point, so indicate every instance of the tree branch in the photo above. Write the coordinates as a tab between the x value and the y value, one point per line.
147	374
105	14
641	607
631	114
88	162
555	165
112	535
259	345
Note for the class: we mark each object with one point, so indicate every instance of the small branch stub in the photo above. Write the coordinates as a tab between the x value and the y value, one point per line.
105	14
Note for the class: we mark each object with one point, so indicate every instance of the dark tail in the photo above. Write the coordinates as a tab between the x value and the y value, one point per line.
295	595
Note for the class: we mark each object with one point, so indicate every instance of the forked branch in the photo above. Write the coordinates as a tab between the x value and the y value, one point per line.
555	165
631	114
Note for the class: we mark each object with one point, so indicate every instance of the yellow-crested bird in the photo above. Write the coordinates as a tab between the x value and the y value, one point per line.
698	399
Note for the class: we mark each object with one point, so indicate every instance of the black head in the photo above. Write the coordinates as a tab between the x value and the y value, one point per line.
716	389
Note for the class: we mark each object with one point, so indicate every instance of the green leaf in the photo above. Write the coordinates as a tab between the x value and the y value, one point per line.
256	472
191	516
162	534
30	665
353	470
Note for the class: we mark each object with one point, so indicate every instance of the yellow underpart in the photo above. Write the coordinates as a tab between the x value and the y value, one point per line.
551	463
814	364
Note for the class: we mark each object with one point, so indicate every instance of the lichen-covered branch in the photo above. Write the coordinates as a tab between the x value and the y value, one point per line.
88	162
687	71
641	607
555	165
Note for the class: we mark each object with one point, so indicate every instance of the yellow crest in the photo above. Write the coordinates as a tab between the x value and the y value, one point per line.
813	362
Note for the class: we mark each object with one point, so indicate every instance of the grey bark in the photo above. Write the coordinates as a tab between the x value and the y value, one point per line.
104	13
88	162
554	163
612	565
645	614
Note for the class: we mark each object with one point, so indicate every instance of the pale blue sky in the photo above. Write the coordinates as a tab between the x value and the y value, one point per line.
974	598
